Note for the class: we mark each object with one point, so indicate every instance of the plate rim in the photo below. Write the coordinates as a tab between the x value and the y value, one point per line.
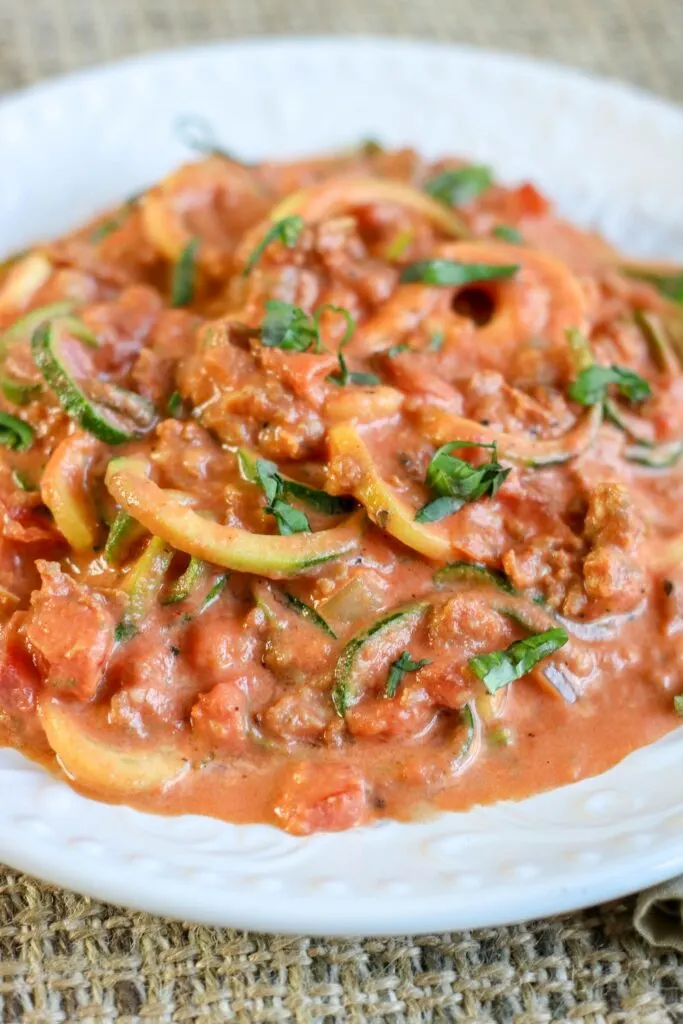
571	73
273	913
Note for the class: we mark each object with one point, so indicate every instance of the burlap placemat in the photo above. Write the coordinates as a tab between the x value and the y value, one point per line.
64	958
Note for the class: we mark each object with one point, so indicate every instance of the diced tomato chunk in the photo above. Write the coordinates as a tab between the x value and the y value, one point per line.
70	632
220	717
321	797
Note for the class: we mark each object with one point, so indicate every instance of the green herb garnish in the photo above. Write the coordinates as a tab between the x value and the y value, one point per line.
289	519
457	482
290	328
346	376
590	387
452	273
507	233
125	631
398	669
396	350
184	275
350	322
499	668
321	501
14	433
174	406
287	231
678	705
436	341
460	185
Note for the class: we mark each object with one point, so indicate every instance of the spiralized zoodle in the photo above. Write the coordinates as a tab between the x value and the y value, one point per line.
335	490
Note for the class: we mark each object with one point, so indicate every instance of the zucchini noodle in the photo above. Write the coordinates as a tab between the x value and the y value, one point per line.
229	546
335	490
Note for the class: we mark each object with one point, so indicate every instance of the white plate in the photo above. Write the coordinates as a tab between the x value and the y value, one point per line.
611	157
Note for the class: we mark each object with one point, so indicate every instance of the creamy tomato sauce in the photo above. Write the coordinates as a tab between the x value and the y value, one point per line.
336	490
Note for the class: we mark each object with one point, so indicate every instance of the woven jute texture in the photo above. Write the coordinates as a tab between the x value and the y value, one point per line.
65	958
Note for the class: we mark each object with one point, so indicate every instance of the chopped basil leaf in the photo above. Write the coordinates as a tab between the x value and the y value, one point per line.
346	376
18	394
452	273
436	341
669	285
14	433
174	406
396	350
286	231
508	234
398	669
460	185
350	322
290	328
306	612
287	327
457	482
197	133
438	509
321	501
678	705
125	631
269	478
590	387
289	520
184	274
499	668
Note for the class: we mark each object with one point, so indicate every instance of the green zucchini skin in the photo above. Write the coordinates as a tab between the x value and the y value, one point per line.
658	456
228	546
472	572
123	533
185	584
346	689
270	599
91	416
